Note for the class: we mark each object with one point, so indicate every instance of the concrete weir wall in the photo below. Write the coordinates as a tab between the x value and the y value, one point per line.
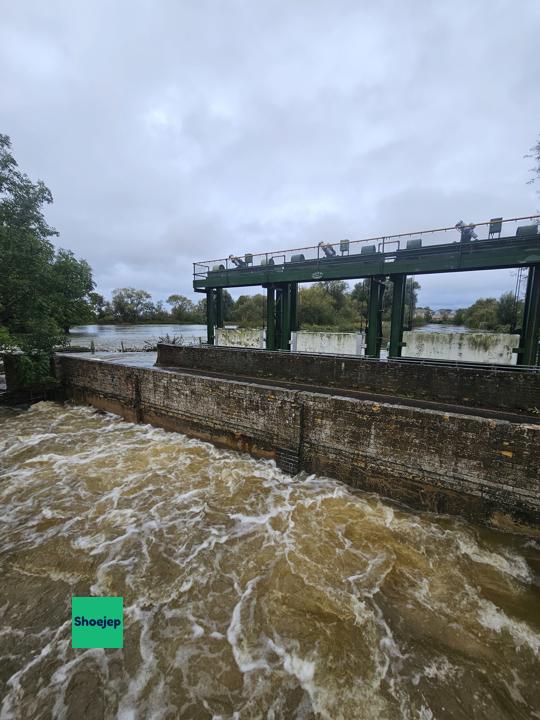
332	343
467	347
301	341
498	388
485	469
240	337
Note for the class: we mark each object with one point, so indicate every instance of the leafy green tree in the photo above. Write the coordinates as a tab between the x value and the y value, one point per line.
73	284
130	305
42	291
315	306
482	315
249	310
182	308
360	291
337	290
98	305
228	305
509	310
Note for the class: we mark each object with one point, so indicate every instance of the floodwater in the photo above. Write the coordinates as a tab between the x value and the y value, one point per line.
442	328
247	593
113	337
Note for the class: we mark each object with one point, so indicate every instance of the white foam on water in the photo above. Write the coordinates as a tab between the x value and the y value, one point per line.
503	561
238	579
495	619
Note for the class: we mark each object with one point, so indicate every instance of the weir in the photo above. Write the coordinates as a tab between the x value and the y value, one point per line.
379	260
439	437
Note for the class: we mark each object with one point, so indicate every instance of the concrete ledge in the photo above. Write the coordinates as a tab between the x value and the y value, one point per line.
496	388
487	470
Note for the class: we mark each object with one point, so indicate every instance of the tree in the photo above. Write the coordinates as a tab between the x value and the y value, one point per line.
337	290
482	315
73	283
42	291
315	306
130	305
228	305
506	309
182	309
249	310
98	305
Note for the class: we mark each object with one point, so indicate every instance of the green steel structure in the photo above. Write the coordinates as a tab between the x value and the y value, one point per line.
378	259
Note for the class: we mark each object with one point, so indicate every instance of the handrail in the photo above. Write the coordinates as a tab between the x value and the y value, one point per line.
370	239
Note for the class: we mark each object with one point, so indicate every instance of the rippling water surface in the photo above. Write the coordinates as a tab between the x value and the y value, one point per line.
247	594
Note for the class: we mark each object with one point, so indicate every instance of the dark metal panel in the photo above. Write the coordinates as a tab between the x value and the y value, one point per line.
456	257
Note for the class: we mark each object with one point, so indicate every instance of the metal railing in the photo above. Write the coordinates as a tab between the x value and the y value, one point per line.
342	249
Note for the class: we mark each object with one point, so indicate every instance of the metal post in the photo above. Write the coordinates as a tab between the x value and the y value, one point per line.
398	310
285	308
374	332
530	334
219	307
210	316
270	318
294	307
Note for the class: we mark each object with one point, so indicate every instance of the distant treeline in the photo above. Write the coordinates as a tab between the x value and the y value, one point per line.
327	305
502	315
323	305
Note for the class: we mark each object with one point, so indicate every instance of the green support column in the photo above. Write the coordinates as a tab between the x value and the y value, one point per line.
530	334
294	307
219	307
210	316
398	310
270	318
374	332
285	316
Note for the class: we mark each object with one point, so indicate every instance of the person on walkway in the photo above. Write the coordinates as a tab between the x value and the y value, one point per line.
327	249
467	231
237	261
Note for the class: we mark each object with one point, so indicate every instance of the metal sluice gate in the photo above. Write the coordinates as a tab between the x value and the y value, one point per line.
505	244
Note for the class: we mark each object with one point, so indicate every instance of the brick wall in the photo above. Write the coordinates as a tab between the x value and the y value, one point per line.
498	388
487	470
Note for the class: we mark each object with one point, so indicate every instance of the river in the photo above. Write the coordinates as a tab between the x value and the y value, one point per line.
247	593
133	337
138	337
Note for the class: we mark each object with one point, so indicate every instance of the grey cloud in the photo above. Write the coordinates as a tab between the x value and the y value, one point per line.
174	132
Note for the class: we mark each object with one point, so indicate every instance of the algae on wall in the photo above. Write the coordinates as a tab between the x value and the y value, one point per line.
467	347
240	337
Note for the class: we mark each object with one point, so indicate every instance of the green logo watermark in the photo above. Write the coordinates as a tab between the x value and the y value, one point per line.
97	622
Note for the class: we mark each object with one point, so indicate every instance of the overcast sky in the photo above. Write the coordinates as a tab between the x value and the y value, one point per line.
178	130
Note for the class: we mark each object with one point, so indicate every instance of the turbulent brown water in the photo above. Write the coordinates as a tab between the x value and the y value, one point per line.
247	593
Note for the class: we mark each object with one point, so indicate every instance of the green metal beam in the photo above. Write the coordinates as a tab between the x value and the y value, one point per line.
270	318
530	335
374	331
210	316
396	319
294	306
285	316
219	307
453	257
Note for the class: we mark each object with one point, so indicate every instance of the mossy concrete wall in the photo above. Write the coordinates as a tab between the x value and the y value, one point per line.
240	337
487	470
495	348
331	343
504	389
